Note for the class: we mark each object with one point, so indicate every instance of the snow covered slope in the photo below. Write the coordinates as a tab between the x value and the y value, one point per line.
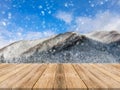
17	48
70	47
105	36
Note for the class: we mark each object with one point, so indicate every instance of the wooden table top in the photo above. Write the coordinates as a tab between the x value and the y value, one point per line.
60	76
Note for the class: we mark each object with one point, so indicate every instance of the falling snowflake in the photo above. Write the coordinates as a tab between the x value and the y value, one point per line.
49	12
19	33
36	27
4	23
89	1
66	5
43	13
92	5
26	25
101	3
106	0
3	12
82	22
9	15
14	6
40	7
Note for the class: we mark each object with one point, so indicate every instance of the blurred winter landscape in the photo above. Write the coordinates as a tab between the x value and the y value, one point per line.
69	47
61	31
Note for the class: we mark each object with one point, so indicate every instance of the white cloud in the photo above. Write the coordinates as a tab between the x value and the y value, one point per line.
3	40
15	36
7	37
101	21
3	43
118	3
64	16
18	33
114	3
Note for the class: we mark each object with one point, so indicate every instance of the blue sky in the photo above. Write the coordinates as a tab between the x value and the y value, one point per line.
33	19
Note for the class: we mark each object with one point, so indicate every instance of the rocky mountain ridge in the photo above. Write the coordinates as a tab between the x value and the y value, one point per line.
69	47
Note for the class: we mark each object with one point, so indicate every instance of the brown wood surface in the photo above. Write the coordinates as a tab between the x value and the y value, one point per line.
60	76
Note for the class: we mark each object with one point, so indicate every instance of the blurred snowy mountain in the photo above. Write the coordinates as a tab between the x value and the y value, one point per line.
69	47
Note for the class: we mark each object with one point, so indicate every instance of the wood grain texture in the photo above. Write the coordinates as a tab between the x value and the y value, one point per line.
31	78
60	82
109	82
46	81
11	72
73	80
90	80
60	76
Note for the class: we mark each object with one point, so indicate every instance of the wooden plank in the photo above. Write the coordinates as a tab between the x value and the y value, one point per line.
15	70
31	78
16	77
2	66
115	77
73	81
46	81
88	78
108	81
8	69
6	66
60	78
117	66
110	68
